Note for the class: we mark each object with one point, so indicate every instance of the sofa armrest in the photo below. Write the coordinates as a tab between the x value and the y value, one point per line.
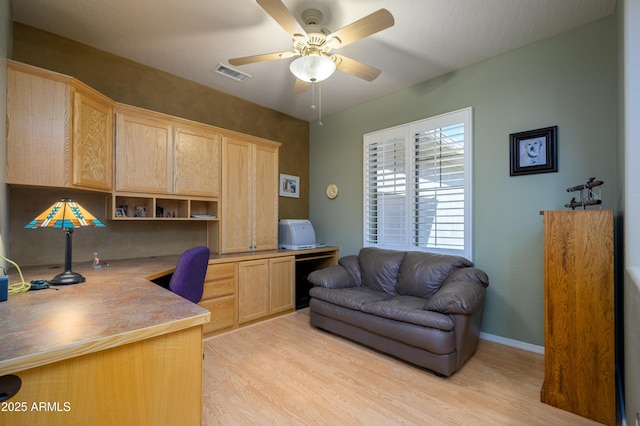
457	297
332	277
469	274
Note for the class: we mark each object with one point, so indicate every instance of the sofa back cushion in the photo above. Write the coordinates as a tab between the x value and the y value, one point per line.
422	274
351	264
379	268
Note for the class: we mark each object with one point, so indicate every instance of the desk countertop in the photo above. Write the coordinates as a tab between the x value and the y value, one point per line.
116	305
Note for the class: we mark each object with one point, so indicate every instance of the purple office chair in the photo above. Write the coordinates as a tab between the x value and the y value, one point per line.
188	278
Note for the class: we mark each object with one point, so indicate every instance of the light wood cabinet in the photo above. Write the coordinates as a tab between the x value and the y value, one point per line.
219	296
197	161
92	141
156	380
143	152
59	131
579	313
244	288
282	284
265	287
160	154
253	290
249	195
265	220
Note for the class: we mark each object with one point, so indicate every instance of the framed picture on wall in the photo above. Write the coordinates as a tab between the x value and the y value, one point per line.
533	151
289	186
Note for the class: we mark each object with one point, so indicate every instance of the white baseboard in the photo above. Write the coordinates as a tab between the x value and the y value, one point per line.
513	343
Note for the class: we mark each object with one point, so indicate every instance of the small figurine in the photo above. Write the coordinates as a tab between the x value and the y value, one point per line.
96	261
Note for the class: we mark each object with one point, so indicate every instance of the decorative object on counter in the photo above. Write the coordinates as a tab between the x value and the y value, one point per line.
12	288
533	151
587	196
4	286
65	214
96	261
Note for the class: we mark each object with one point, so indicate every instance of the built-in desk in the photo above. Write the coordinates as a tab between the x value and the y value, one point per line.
244	288
116	349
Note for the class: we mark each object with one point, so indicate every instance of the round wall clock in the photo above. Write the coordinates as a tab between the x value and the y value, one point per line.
332	191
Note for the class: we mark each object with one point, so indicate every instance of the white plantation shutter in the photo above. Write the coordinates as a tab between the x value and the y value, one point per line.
386	186
417	185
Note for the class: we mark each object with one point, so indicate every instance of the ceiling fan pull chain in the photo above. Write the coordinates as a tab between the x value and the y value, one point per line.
320	104
313	95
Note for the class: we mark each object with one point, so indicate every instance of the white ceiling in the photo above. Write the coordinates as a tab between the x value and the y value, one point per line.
189	38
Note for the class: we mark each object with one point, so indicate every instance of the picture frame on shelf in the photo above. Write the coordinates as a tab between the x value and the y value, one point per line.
289	186
120	212
533	151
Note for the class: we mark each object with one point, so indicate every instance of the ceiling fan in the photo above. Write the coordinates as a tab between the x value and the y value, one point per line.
314	43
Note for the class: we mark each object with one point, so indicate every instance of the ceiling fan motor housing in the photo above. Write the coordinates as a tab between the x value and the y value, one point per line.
316	41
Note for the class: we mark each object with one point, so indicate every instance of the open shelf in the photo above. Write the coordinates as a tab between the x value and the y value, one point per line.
130	206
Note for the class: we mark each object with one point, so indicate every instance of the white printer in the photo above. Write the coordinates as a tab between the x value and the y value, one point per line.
296	234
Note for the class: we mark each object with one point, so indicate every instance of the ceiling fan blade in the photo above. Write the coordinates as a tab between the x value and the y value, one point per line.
260	58
353	67
279	12
370	24
300	86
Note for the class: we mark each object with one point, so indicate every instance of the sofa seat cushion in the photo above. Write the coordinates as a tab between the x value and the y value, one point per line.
423	273
352	297
409	309
434	340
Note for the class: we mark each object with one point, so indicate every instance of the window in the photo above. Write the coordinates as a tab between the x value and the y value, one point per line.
417	185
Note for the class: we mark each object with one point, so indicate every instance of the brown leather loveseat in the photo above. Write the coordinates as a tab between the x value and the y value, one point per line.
424	308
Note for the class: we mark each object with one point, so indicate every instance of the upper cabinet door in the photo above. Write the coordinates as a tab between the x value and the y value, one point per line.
197	161
143	152
38	128
60	132
92	141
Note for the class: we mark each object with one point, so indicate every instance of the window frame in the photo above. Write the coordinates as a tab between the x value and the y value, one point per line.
407	134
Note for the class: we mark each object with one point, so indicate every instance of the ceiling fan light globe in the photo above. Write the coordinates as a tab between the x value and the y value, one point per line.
313	68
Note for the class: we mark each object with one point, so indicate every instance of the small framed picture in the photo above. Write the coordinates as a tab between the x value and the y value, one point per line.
289	186
533	151
120	212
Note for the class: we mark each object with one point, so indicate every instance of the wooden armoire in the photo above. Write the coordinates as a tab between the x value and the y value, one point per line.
579	313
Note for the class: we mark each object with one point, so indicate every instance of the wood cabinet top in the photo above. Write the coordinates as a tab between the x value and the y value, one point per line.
116	305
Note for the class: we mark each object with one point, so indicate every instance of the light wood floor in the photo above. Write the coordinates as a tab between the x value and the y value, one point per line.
285	372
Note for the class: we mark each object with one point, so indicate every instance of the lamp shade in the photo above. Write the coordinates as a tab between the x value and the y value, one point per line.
64	214
312	68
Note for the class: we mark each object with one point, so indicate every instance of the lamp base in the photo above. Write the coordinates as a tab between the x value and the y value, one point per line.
67	277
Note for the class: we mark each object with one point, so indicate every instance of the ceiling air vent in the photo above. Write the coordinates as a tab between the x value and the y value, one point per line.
231	73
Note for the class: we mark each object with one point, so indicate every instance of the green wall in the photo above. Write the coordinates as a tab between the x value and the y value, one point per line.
568	81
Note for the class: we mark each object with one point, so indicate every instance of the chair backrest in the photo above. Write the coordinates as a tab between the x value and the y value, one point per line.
188	278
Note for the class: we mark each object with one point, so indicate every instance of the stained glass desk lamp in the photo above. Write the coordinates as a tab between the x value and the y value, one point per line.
67	215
